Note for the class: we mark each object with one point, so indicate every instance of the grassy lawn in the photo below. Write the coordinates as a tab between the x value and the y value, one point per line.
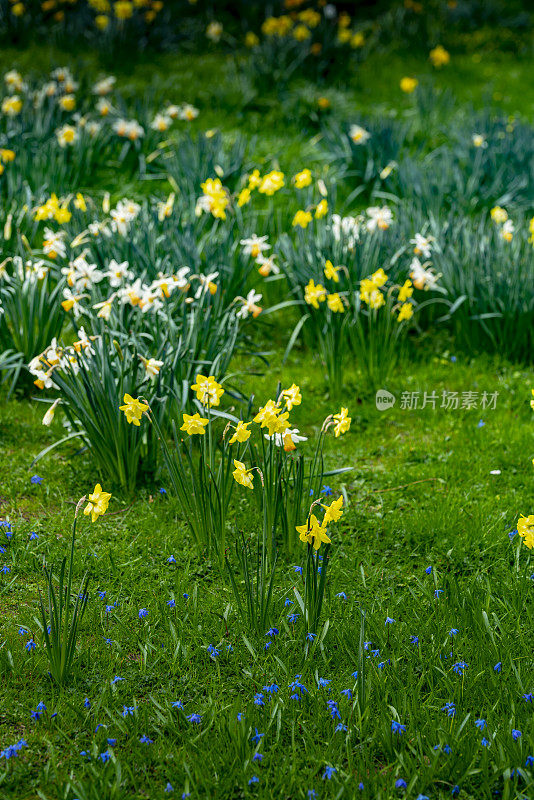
428	614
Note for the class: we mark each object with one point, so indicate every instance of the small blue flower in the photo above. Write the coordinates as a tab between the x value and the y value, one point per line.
254	779
145	740
272	632
257	757
87	703
389	621
169	787
340	727
516	735
498	666
528	697
480	423
396	727
259	699
414	639
162	490
171	560
195	719
437	592
35	479
298	569
328	773
326	490
310	636
30	645
341	595
116	679
455	791
105	756
257	736
33	536
400	783
481	724
453	631
143	613
171	603
428	570
485	742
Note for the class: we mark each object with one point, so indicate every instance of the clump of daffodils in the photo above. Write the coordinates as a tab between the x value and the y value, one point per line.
313	532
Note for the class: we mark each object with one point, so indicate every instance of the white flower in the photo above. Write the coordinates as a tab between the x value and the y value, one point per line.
117	273
347	228
151	365
53	244
66	135
188	112
250	305
358	134
13	81
49	415
422	278
422	245
207	283
294	433
479	140
255	245
379	217
105	85
161	123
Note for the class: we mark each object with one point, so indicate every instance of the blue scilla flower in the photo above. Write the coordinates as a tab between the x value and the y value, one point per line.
101	594
485	742
195	719
498	666
322	682
414	639
257	736
162	490
169	787
33	536
400	783
293	617
310	636
116	679
298	569
438	592
288	602
87	703
143	612
30	645
396	727
449	709
35	479
481	724
428	570
272	632
328	773
341	595
5	569
128	711
271	688
453	631
259	699
254	779
326	490
355	675
171	560
112	742
177	704
516	734
340	727
347	693
145	740
105	756
213	652
334	710
389	621
258	757
171	603
455	791
528	697
460	667
530	761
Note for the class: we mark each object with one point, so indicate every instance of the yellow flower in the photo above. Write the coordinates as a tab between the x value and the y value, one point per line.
333	512
12	105
101	22
302	219
312	532
301	33
241	433
194	424
499	215
342	422
303	179
358	40
379	278
251	40
408	85
321	209
271	182
323	102
6	155
254	179
123	9
313	295
67	102
98	503
525	528
330	272
18	9
406	312
292	396
133	408
243	197
265	412
79	202
243	475
405	291
439	56
209	392
335	303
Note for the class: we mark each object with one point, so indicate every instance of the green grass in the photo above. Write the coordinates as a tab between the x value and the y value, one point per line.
421	493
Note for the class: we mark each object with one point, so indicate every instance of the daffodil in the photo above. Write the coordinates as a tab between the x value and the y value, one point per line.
405	291
194	424
302	219
209	392
98	503
342	422
525	528
313	532
405	312
151	365
439	56
333	512
321	209
314	294
408	85
243	475
134	409
241	432
335	303
303	179
292	396
330	272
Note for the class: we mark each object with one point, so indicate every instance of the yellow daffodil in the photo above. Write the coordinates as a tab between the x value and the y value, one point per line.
243	475
98	503
439	57
292	396
313	532
314	294
321	209
379	278
525	528
134	409
302	219
342	422
405	291
241	433
333	512
194	424
209	392
335	303
408	85
303	179
405	312
330	272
